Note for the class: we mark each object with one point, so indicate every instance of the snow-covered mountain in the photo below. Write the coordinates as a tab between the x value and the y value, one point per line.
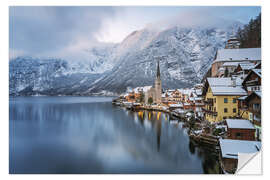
185	54
29	76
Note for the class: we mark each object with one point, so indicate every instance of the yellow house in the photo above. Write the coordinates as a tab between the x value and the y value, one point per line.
221	96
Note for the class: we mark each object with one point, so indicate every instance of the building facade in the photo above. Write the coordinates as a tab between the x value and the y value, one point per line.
221	96
243	55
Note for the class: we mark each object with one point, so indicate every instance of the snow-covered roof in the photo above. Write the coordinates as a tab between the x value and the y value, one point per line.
223	81
224	86
239	124
239	54
198	85
179	110
221	69
199	104
257	71
230	148
247	66
259	93
198	92
231	64
144	89
176	105
242	97
228	90
186	91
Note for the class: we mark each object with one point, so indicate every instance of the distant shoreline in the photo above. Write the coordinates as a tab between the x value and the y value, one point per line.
12	96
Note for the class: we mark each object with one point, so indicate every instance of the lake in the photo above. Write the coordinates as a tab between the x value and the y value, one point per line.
90	135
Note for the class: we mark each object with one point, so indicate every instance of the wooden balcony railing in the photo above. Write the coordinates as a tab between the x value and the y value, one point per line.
210	112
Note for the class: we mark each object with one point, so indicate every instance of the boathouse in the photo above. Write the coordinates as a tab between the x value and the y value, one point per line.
240	129
230	150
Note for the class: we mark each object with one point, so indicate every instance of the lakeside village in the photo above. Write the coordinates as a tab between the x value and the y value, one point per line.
223	112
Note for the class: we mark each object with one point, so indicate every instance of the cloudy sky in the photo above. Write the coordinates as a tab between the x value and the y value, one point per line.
54	31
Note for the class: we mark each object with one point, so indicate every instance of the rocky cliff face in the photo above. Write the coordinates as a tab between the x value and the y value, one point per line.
185	54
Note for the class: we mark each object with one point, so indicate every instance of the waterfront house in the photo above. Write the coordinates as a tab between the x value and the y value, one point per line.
230	150
253	102
252	82
221	98
175	106
187	106
240	129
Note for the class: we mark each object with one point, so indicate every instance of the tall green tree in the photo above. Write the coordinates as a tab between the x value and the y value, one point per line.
250	35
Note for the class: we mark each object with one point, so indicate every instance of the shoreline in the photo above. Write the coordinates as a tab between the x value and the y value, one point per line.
204	140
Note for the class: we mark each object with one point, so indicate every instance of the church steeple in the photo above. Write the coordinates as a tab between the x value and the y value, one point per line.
158	71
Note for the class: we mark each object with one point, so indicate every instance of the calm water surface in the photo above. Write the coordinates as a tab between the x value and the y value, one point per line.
90	135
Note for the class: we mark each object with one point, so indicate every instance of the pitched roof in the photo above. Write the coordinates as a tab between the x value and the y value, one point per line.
239	124
238	54
259	93
223	81
198	92
246	66
228	90
230	148
176	105
230	64
254	93
258	72
257	66
242	97
223	86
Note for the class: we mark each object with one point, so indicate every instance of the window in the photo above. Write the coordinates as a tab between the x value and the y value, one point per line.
256	106
238	135
234	110
234	100
215	100
225	110
225	100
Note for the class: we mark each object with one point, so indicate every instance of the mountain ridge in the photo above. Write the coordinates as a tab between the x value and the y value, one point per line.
185	55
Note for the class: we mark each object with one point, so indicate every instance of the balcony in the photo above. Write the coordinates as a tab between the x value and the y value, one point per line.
210	112
254	82
209	102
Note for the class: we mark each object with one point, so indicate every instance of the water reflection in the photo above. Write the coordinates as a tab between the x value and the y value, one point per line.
89	135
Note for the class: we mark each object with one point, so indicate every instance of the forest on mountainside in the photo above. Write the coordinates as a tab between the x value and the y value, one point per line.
250	35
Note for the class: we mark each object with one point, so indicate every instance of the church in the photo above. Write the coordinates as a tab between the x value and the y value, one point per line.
154	93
